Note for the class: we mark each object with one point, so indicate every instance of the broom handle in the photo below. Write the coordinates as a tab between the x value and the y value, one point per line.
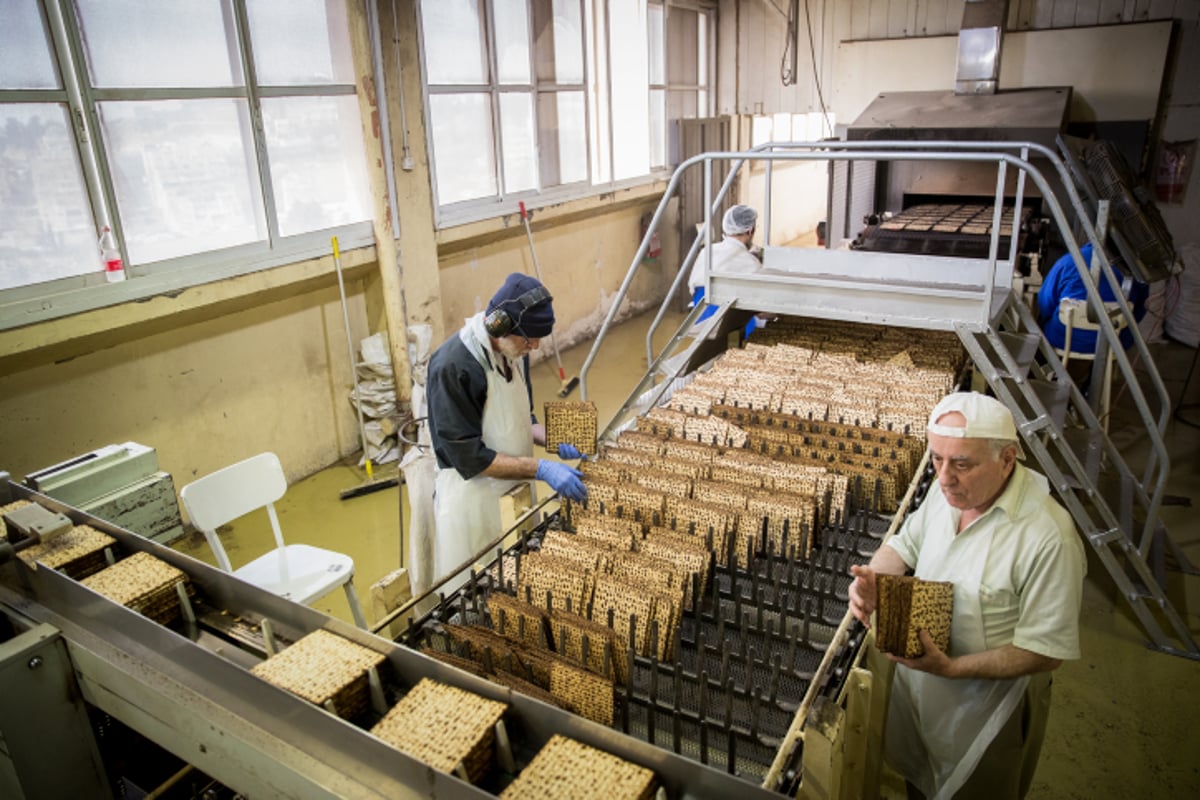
362	429
562	375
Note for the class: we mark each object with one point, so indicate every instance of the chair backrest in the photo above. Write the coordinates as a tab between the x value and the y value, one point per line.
232	492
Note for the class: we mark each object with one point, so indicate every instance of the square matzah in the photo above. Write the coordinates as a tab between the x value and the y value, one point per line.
142	583
567	768
443	726
77	553
323	666
569	422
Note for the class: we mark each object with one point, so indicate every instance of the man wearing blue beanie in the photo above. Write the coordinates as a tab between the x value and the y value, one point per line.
481	420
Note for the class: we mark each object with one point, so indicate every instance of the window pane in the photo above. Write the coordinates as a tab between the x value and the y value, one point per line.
462	136
781	128
658	70
557	27
318	171
299	42
760	131
702	51
452	33
25	56
46	230
512	41
519	140
151	52
184	174
630	92
658	128
562	138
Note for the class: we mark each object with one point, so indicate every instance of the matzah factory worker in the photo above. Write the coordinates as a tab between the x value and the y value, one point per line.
730	255
481	421
969	722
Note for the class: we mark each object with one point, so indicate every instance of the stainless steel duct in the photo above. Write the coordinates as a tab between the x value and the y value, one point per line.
979	38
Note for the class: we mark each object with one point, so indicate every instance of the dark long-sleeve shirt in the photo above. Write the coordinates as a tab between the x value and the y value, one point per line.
456	389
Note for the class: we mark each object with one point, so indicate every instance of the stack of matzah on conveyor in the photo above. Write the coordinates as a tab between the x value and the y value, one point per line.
905	605
323	667
567	768
77	553
569	422
142	583
444	727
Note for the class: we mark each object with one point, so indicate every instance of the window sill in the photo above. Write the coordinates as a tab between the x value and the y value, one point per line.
76	333
456	238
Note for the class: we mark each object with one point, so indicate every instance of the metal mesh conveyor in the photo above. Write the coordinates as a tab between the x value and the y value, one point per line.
744	657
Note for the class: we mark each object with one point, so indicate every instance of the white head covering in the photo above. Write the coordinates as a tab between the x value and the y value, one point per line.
739	219
987	418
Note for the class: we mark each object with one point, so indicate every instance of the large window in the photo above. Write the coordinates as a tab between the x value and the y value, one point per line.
554	99
212	136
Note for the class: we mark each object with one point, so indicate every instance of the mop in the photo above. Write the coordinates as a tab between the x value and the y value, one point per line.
567	385
371	485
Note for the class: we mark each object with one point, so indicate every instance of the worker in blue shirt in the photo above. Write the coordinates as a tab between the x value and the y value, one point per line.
1064	281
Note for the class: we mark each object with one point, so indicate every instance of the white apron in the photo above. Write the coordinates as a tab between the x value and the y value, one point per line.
939	728
468	511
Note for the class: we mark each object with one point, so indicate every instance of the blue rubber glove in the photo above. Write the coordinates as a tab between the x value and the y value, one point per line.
569	451
563	479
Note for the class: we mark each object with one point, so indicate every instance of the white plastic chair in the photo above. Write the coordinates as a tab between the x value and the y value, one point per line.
298	572
1073	314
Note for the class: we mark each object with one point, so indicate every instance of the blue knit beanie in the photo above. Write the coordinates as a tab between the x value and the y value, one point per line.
534	322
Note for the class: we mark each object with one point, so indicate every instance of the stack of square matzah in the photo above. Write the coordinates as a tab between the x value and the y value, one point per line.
77	553
569	422
567	768
444	726
323	667
142	583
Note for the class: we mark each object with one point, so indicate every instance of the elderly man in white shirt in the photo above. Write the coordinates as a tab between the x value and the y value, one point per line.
969	722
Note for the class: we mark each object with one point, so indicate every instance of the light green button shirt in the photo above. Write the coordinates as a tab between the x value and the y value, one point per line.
1032	583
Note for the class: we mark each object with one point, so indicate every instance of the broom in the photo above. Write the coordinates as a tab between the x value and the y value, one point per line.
567	385
371	485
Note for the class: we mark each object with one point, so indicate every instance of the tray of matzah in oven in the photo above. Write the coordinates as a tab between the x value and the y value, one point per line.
324	669
142	583
567	768
571	422
77	553
444	727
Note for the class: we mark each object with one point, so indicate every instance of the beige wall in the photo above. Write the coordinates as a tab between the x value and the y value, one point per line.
204	386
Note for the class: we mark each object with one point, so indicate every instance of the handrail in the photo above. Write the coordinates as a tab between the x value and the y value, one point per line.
947	151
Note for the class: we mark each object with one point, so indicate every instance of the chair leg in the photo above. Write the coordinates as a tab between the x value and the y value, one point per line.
355	606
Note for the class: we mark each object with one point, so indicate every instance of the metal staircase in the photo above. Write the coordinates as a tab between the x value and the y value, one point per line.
1062	432
1116	511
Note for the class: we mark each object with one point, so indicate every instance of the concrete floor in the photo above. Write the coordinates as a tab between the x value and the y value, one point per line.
1126	718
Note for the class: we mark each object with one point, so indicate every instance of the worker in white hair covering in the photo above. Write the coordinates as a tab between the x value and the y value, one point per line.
730	255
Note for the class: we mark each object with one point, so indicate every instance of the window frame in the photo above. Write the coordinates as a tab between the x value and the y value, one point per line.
44	301
594	16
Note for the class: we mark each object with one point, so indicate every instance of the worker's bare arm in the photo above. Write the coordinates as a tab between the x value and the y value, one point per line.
1008	661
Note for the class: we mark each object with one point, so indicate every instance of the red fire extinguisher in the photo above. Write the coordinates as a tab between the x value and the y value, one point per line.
654	250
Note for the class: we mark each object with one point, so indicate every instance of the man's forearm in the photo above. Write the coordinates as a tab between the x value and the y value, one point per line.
1008	661
512	468
887	561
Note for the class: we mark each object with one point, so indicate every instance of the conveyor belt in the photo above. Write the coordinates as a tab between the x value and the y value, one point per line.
188	689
